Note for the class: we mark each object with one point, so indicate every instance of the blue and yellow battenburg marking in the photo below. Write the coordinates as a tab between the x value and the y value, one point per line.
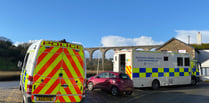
195	72
24	80
160	72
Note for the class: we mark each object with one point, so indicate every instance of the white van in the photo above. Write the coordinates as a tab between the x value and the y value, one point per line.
155	69
53	71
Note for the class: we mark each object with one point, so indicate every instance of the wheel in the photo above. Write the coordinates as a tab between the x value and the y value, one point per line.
129	92
115	91
155	85
193	81
90	86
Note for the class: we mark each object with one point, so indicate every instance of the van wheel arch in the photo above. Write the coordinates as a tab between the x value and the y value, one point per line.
193	80
155	84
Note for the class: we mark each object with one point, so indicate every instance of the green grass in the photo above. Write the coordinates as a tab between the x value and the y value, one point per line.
6	65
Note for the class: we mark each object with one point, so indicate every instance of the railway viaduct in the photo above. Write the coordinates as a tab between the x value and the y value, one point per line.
105	49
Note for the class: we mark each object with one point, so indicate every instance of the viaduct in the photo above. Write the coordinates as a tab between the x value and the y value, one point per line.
105	49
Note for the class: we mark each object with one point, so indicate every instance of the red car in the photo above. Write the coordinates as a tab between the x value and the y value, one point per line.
111	81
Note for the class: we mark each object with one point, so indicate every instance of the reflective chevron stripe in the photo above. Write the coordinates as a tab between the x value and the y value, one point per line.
59	71
129	71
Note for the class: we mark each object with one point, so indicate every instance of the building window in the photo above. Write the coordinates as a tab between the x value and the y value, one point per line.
179	61
205	71
165	58
186	62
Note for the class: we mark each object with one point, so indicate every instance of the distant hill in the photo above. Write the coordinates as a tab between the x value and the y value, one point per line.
10	54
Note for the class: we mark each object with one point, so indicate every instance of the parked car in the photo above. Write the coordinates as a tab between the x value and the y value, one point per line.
114	82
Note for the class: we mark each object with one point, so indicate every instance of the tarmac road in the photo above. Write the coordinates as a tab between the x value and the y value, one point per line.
9	93
173	94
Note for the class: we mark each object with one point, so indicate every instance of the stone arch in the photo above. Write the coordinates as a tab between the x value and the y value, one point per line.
109	53
139	49
87	54
153	49
123	49
97	53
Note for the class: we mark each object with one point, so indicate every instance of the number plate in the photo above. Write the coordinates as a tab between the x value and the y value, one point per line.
44	98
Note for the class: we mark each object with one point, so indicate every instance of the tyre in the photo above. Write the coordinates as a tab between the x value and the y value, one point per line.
90	86
115	91
155	85
193	81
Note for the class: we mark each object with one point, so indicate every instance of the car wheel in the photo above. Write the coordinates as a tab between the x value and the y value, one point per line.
155	85
129	92
115	91
90	86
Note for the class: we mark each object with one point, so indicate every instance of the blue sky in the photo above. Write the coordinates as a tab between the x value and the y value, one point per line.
106	22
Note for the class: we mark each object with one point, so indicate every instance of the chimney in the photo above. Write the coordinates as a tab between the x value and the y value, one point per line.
199	39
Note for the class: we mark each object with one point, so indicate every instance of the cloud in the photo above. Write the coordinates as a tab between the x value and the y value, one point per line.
18	43
110	41
183	35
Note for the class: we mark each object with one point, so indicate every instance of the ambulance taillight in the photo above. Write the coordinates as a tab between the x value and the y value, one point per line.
29	85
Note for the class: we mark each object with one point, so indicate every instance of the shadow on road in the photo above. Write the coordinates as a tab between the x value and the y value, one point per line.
173	94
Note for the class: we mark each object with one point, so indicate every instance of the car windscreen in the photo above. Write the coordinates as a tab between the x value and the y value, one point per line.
124	76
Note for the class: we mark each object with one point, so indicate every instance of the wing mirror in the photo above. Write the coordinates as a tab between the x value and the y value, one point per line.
19	64
97	76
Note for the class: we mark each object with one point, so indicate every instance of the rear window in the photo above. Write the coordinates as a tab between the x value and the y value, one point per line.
124	76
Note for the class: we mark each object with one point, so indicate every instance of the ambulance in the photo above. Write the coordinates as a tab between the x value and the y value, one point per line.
53	71
155	69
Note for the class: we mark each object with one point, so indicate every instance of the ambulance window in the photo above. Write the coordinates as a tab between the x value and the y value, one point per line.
115	58
179	61
186	62
165	58
25	60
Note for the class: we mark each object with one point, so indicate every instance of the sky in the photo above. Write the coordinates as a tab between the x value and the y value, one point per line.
104	22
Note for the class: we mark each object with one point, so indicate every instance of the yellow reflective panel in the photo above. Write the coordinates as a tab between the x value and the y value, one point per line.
154	74
142	75
176	74
171	69
148	70
135	70
160	69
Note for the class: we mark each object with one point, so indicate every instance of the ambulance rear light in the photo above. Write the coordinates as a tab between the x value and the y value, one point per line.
30	78
29	85
29	89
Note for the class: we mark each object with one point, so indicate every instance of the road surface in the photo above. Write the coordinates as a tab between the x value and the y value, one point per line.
9	92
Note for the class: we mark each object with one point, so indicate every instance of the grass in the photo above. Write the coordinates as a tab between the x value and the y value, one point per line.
6	65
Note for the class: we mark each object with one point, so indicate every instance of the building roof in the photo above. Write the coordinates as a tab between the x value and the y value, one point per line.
172	39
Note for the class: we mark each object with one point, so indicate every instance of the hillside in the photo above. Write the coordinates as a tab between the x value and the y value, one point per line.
10	54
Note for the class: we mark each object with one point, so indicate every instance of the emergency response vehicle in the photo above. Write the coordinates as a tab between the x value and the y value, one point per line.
53	71
155	69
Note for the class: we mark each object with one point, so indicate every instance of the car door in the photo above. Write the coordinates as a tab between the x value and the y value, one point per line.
108	82
100	79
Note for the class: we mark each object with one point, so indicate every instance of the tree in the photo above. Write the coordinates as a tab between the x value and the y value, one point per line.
10	54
